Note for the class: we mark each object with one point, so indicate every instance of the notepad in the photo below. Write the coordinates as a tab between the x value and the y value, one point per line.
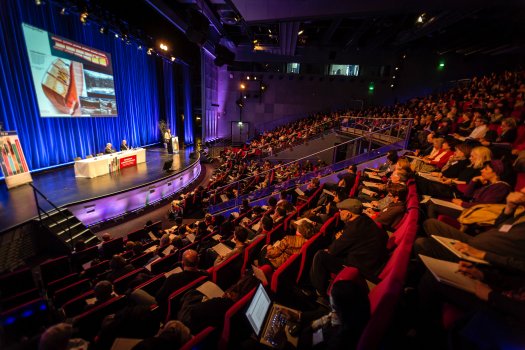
446	204
447	272
190	237
368	192
372	184
449	244
210	290
222	249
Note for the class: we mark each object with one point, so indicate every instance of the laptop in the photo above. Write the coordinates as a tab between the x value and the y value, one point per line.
269	319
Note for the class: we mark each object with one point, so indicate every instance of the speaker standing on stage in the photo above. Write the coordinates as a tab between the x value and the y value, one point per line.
167	137
124	146
109	149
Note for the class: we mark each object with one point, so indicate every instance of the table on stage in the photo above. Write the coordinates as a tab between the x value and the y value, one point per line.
101	165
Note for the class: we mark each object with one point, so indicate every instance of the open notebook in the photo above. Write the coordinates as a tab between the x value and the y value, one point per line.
449	244
447	272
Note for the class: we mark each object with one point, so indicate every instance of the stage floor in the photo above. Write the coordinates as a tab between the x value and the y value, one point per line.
61	186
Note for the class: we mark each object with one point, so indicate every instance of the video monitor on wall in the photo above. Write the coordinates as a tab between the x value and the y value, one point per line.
71	79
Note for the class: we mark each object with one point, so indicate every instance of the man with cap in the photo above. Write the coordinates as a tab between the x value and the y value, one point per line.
361	244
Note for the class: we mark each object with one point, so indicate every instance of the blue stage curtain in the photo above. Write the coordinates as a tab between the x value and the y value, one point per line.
170	96
53	141
188	115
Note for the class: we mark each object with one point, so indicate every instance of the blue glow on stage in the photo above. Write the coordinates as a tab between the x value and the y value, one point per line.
49	142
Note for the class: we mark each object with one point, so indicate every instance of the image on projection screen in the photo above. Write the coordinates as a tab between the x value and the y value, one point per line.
71	79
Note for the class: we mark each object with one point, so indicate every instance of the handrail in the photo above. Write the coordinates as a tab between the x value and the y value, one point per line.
334	167
40	209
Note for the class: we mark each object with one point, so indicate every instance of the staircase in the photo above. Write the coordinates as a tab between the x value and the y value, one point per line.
67	229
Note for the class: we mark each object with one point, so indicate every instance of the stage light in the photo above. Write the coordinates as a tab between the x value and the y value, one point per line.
173	59
255	41
139	47
243	86
269	31
394	77
163	46
63	11
248	77
245	97
404	56
421	19
254	78
103	30
116	35
397	68
300	32
240	123
150	51
83	17
38	2
391	85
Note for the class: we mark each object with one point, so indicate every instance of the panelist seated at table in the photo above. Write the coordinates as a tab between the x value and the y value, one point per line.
124	146
109	149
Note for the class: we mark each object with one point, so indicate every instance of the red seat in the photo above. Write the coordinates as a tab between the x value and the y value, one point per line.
55	269
228	272
449	221
24	321
251	251
308	250
112	247
88	323
165	264
286	275
141	260
520	181
16	282
353	190
200	340
275	234
235	322
120	285
83	257
77	305
97	269
19	299
152	285
175	297
70	292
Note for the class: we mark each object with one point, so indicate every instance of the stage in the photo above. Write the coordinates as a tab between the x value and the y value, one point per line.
63	189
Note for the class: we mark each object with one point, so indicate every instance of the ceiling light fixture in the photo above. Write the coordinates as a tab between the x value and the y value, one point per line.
163	46
150	51
63	11
300	32
173	59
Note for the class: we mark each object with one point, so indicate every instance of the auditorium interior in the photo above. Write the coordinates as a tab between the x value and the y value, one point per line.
240	174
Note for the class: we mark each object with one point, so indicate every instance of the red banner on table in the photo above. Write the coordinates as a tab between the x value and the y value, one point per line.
128	161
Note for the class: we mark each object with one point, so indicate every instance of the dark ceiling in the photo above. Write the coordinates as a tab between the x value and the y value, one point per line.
315	30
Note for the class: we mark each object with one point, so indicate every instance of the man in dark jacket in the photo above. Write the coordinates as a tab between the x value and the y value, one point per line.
362	244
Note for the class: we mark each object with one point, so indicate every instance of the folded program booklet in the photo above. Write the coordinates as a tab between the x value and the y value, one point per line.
447	272
222	249
449	244
446	204
210	290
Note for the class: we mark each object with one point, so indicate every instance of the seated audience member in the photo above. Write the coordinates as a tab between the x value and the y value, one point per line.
245	207
59	337
322	213
495	312
508	134
119	267
343	326
504	241
362	244
124	145
478	133
189	273
389	166
283	202
172	335
109	149
346	180
239	237
277	253
279	215
464	165
484	189
434	161
392	214
103	291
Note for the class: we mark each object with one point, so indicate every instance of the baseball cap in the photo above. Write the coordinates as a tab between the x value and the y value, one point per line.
352	205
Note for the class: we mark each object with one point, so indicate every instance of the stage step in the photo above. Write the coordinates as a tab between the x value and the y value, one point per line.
67	229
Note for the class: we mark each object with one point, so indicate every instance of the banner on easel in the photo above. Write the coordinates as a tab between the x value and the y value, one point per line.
12	160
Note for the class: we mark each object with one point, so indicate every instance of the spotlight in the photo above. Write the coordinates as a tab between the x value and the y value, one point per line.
103	30
150	51
391	85
248	77
245	97
396	68
38	2
172	59
139	47
163	47
240	123
254	78
63	11
421	18
394	77
243	86
300	32
255	41
83	17
116	35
